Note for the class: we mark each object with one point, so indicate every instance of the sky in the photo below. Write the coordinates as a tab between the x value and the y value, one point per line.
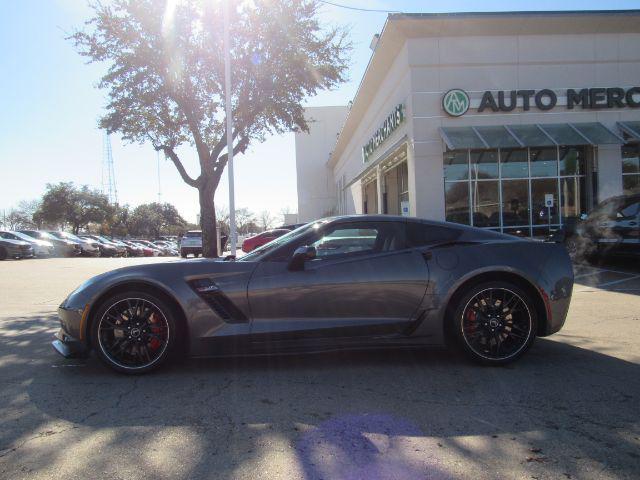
50	107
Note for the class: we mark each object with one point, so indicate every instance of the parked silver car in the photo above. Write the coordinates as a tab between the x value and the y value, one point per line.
62	247
15	249
88	247
41	248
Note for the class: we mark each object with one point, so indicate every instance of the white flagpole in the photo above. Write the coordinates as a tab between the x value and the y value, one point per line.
228	113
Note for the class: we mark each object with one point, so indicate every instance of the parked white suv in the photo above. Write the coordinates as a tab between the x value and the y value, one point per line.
191	243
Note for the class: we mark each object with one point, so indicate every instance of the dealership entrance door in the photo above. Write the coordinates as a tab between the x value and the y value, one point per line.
391	173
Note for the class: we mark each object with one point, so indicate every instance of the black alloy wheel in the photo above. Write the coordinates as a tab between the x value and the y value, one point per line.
495	322
133	332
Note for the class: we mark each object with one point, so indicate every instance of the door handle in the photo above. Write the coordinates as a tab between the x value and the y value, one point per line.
633	224
427	255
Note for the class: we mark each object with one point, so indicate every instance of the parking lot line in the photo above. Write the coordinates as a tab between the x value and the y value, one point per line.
615	282
598	270
582	275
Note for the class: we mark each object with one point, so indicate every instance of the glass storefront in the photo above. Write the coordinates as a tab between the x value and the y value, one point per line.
631	168
507	189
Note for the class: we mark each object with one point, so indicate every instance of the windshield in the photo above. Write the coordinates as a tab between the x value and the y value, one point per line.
69	236
46	235
259	252
23	236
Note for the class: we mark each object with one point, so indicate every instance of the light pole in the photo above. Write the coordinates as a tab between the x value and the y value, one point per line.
228	113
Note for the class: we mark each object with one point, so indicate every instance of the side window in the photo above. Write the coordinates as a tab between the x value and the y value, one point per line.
358	239
423	234
629	210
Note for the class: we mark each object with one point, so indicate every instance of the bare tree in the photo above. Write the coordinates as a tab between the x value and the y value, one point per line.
266	221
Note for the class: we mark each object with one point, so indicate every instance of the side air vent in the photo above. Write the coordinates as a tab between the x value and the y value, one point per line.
218	301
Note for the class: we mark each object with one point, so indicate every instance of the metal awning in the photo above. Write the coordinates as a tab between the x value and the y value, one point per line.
631	128
538	135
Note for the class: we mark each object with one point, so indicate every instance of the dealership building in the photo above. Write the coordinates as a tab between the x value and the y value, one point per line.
515	121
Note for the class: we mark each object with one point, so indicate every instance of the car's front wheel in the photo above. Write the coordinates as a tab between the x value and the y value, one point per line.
133	332
495	322
3	253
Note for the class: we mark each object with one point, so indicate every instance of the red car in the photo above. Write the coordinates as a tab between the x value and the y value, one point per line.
256	241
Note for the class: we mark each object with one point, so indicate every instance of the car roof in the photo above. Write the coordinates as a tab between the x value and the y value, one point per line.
386	218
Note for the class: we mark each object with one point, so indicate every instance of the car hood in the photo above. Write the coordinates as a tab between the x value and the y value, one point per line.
168	276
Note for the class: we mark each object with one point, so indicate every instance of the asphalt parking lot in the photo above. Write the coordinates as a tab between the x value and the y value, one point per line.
569	409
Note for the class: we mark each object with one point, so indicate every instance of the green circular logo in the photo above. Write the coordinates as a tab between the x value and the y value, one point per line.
456	102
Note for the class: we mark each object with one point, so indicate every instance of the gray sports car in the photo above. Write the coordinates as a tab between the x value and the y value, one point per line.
339	283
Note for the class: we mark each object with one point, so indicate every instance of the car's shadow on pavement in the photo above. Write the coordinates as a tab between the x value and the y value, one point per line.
367	414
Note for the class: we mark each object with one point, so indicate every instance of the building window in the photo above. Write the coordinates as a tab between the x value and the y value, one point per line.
456	165
370	197
631	168
540	188
516	210
544	161
514	163
506	189
484	165
457	202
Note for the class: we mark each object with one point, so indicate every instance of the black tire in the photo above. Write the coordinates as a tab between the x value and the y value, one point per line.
495	323
127	342
3	253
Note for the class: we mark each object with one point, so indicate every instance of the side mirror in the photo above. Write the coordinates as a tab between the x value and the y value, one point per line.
301	255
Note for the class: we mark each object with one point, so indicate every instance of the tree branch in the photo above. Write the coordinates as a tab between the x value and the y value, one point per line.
168	151
221	162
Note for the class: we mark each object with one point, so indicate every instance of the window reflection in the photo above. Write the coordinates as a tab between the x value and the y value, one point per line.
544	162
457	202
514	163
484	164
486	204
507	187
515	202
572	161
456	165
573	197
631	158
540	188
631	168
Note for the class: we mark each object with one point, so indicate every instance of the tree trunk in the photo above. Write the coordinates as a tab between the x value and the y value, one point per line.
208	221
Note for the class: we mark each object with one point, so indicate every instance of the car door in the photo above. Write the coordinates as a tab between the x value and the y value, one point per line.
626	225
363	281
615	224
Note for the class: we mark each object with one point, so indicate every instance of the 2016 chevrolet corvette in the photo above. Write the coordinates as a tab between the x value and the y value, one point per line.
339	283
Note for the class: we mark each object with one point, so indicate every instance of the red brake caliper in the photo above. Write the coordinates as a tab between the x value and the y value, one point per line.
154	344
471	320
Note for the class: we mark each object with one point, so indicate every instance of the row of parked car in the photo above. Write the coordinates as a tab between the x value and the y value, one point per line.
38	243
191	241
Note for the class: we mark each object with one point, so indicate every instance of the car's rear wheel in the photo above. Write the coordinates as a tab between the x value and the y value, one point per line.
495	322
133	332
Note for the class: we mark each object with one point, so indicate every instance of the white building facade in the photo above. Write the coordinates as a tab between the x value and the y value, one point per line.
509	121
